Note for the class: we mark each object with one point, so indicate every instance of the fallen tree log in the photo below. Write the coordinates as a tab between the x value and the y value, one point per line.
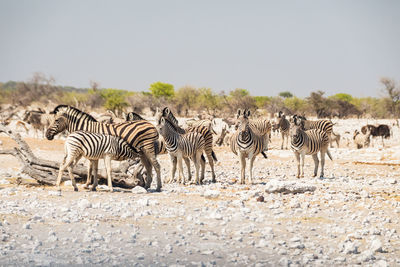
46	171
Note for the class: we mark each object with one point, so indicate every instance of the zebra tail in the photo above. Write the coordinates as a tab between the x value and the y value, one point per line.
214	156
329	154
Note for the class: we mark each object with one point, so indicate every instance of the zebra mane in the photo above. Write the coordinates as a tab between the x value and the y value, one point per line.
84	114
167	114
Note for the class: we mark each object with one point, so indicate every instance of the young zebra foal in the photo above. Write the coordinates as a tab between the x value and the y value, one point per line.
188	145
309	142
93	146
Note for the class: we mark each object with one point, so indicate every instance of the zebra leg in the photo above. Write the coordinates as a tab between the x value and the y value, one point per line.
211	162
322	163
108	170
252	158
173	168
157	167
316	162
203	167
187	162
302	157
147	165
71	175
297	155
64	164
242	168
95	171
198	163
283	139
180	170
89	175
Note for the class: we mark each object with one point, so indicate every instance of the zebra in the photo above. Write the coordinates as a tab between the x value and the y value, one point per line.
93	146
308	142
247	142
189	145
203	130
261	126
324	125
192	123
284	126
141	135
160	146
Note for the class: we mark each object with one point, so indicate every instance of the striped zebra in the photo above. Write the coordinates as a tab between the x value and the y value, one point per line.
308	142
284	126
260	126
324	125
192	123
189	145
160	146
93	146
247	142
141	135
203	130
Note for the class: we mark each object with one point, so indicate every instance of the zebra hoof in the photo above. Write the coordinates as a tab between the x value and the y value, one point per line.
93	189
75	189
158	189
264	155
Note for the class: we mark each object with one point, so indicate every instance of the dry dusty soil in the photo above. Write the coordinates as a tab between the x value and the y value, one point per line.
349	217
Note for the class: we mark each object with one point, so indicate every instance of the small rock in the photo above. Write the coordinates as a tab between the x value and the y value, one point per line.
27	226
54	193
84	204
139	190
350	248
211	194
376	245
260	199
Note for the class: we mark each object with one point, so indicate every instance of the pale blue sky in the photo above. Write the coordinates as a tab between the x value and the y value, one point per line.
263	46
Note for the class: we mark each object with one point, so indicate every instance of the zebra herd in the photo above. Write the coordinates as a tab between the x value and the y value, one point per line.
138	138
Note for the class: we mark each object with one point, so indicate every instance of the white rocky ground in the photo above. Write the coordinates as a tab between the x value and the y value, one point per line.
350	217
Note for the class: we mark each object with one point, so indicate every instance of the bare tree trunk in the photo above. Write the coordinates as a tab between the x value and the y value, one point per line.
45	171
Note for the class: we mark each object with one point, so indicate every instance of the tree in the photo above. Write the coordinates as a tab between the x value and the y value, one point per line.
321	105
159	89
185	99
286	94
114	99
240	98
393	93
343	97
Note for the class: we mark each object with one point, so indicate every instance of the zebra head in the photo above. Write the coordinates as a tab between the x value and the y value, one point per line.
59	125
240	116
132	116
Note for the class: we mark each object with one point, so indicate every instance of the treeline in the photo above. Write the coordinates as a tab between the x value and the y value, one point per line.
188	100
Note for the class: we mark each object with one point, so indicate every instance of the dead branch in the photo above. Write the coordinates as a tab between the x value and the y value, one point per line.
46	171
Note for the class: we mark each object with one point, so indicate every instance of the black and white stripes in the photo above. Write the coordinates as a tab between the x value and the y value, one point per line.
247	142
179	146
308	142
93	147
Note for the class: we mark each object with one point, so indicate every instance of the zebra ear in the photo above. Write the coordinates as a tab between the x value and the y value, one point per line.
247	113
166	111
162	121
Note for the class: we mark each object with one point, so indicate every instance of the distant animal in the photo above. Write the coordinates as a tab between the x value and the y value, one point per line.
362	140
335	138
283	125
133	116
39	119
381	130
221	137
247	143
308	142
93	146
